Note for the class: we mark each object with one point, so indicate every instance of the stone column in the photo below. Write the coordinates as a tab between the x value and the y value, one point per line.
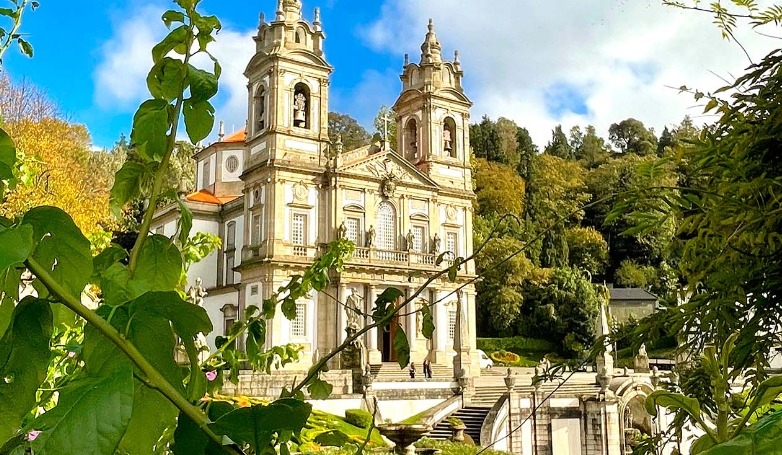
541	424
411	326
600	433
373	354
441	347
341	316
514	419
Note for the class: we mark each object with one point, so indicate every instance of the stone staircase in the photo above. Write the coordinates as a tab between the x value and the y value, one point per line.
472	416
390	372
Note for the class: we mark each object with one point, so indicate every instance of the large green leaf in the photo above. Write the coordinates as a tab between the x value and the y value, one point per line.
61	247
144	432
159	266
174	41
150	129
767	391
187	319
24	360
115	285
166	80
762	438
127	185
7	156
672	401
91	416
16	244
427	323
401	347
203	84
199	119
108	257
256	425
319	389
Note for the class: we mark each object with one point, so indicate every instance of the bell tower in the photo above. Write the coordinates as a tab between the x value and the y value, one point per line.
288	80
432	116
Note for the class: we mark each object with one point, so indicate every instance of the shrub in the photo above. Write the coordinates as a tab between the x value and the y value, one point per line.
514	344
455	421
455	448
505	357
358	417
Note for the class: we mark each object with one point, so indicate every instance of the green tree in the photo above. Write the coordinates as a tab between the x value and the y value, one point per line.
631	136
498	189
527	150
587	249
348	129
485	140
559	145
380	125
590	149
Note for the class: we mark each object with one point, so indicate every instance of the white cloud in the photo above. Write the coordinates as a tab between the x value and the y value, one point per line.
624	57
120	76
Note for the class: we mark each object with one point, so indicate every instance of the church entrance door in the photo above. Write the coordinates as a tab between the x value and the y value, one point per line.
387	339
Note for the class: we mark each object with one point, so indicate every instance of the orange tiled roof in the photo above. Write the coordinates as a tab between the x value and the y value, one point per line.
209	198
238	136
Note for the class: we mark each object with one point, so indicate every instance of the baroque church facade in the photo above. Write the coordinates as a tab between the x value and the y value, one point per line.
281	190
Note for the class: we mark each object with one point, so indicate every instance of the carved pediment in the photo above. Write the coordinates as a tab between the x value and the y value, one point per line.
388	167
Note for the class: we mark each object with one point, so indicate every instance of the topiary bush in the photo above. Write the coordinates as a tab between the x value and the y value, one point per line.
358	417
505	357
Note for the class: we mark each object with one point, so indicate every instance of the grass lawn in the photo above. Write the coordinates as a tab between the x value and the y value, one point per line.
320	422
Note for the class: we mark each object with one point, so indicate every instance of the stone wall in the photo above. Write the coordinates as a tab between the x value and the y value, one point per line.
261	385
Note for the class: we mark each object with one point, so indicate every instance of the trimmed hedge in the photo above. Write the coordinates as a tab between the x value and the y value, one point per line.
515	343
358	417
505	357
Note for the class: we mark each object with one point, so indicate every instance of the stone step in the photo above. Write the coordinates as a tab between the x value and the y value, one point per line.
472	416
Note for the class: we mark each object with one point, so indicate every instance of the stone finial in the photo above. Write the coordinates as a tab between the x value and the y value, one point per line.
407	61
261	20
280	14
456	63
316	21
430	49
221	131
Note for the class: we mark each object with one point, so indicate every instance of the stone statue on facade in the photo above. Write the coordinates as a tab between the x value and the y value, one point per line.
371	236
342	231
299	106
353	309
641	361
409	239
196	293
436	243
354	354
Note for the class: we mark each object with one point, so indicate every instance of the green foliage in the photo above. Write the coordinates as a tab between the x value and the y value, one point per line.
350	132
587	249
631	136
24	358
358	417
514	343
454	448
632	275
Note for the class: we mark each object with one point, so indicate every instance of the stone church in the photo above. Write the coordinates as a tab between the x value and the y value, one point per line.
279	191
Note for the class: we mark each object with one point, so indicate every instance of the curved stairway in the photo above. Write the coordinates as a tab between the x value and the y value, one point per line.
472	416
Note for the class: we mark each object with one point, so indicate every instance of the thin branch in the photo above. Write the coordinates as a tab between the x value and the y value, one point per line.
154	378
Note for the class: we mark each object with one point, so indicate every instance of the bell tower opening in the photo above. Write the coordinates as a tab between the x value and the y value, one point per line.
259	102
449	137
411	140
301	106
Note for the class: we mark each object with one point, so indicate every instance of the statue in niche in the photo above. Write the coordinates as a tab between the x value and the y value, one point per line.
196	293
371	236
436	243
447	143
299	106
409	239
342	231
353	307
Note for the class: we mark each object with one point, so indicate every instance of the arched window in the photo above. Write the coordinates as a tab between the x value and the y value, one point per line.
299	38
411	139
386	226
449	137
260	109
301	106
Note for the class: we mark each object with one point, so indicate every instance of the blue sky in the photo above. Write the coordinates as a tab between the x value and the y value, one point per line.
538	63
